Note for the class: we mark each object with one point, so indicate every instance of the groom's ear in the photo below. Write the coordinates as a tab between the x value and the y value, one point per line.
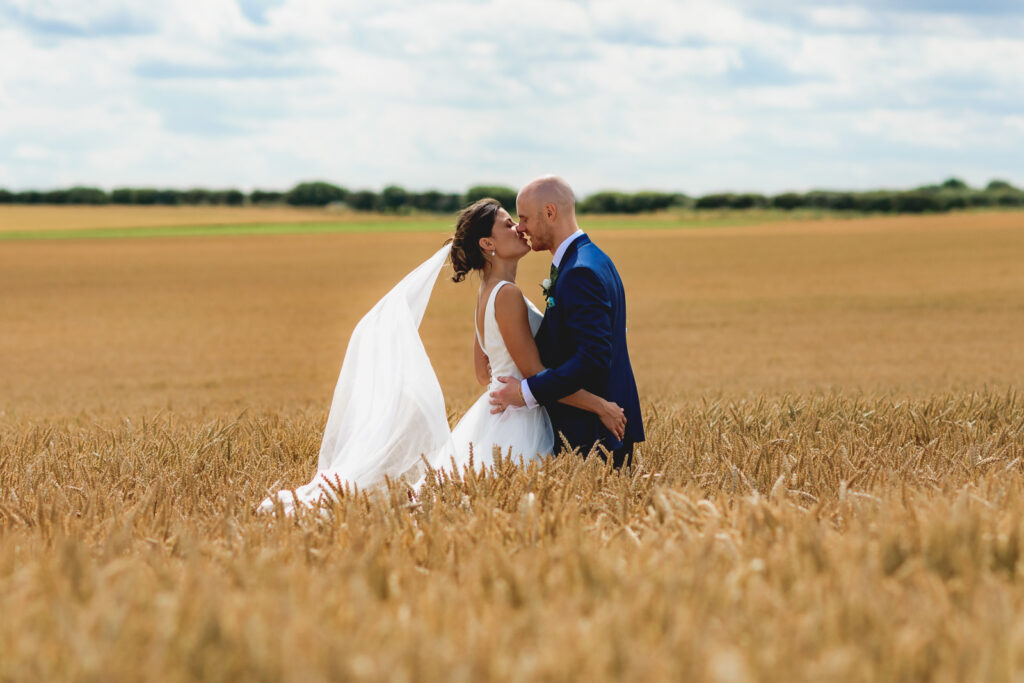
550	210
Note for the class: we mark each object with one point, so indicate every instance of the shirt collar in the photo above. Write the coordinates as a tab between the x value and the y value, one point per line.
556	261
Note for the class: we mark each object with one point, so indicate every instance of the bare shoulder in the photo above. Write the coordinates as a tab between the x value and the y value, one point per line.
509	299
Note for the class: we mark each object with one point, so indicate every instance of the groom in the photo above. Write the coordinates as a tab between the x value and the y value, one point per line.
582	340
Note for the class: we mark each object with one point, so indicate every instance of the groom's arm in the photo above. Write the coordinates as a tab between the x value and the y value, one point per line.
588	314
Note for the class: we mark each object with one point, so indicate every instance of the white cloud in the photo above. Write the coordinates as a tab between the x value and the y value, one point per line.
923	128
840	17
686	95
32	152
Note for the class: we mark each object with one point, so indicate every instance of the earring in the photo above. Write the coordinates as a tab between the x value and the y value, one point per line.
492	253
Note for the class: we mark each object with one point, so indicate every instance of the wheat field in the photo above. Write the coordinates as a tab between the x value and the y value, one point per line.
832	486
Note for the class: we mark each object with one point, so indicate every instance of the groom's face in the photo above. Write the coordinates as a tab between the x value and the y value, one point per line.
533	223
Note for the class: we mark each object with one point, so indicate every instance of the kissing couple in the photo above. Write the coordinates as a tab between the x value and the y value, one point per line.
558	380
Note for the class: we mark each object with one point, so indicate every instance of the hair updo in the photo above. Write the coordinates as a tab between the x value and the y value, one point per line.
474	222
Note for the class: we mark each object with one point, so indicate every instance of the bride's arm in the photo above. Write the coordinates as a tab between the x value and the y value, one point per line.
480	363
514	323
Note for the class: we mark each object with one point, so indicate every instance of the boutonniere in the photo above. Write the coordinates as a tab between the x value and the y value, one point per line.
548	288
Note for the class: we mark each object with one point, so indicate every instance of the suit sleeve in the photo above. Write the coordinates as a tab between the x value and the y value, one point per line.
588	318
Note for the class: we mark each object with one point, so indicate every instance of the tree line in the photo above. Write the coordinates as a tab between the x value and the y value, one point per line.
947	196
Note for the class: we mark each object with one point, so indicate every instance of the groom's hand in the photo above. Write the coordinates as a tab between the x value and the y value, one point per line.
510	394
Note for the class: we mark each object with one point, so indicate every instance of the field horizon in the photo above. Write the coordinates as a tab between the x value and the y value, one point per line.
55	222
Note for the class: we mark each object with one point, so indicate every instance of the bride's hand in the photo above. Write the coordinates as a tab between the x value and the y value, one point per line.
614	419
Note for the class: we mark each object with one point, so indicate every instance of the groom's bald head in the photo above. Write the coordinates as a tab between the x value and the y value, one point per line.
547	211
551	189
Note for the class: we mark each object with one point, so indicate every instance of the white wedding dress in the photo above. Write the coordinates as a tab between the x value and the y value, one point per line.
388	412
522	432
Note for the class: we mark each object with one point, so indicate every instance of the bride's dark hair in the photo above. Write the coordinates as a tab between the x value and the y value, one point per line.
474	222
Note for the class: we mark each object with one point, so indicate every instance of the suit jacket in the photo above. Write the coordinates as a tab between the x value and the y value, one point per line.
582	343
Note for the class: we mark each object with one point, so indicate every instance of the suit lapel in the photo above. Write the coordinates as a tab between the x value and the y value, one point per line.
570	251
569	259
553	316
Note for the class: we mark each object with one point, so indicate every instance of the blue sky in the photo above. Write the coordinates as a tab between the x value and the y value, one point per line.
658	94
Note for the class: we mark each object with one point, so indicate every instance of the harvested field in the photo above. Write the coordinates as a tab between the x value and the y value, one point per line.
212	326
31	222
832	489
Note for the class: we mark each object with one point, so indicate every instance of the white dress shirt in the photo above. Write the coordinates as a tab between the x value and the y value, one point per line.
556	261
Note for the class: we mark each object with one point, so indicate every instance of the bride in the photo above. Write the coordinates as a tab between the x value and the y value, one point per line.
388	412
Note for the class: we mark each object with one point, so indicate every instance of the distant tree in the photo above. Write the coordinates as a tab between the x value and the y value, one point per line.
122	195
654	201
830	200
998	193
609	201
999	185
448	203
75	195
505	195
915	201
631	203
266	197
833	201
315	193
195	195
602	202
363	200
168	197
87	195
425	201
844	201
29	197
787	201
748	201
54	197
1010	198
682	200
877	202
954	184
6	196
393	198
435	201
715	201
951	200
145	195
980	198
229	197
817	199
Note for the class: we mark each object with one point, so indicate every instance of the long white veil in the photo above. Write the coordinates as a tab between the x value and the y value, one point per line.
388	408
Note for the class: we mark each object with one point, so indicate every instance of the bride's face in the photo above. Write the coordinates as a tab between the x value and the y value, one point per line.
506	241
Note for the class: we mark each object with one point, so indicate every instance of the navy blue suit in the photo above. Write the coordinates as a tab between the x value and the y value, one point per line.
582	343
